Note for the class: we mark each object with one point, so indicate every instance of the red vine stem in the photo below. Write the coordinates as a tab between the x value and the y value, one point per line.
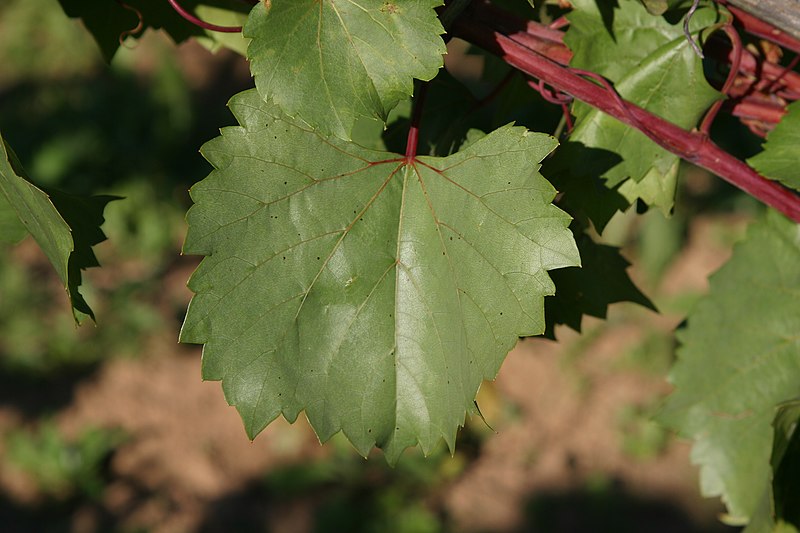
765	30
755	75
416	119
201	23
694	147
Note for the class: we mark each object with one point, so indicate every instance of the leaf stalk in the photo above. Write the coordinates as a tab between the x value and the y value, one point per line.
691	146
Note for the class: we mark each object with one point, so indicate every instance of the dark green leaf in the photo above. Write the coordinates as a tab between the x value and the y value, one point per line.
372	292
786	463
585	194
601	281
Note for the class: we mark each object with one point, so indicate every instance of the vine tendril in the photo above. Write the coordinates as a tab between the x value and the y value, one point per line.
687	33
136	29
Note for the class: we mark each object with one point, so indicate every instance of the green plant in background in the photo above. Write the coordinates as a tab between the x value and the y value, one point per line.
374	284
63	468
368	496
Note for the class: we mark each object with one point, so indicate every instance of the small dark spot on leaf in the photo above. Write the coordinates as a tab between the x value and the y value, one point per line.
369	431
285	182
501	313
317	258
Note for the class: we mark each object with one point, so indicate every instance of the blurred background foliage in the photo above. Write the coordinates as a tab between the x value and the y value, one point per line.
133	129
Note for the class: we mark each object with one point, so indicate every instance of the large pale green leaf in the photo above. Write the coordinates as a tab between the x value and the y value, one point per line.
65	226
331	62
781	153
373	292
740	358
107	20
652	65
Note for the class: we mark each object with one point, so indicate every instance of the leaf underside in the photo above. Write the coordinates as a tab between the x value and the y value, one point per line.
740	358
331	62
373	292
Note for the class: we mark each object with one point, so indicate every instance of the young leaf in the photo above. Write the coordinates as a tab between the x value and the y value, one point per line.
331	62
373	292
65	226
781	153
739	359
652	65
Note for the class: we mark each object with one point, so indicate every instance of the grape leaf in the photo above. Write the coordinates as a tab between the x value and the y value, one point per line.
373	292
331	62
652	65
589	290
110	19
781	153
65	226
739	359
11	229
